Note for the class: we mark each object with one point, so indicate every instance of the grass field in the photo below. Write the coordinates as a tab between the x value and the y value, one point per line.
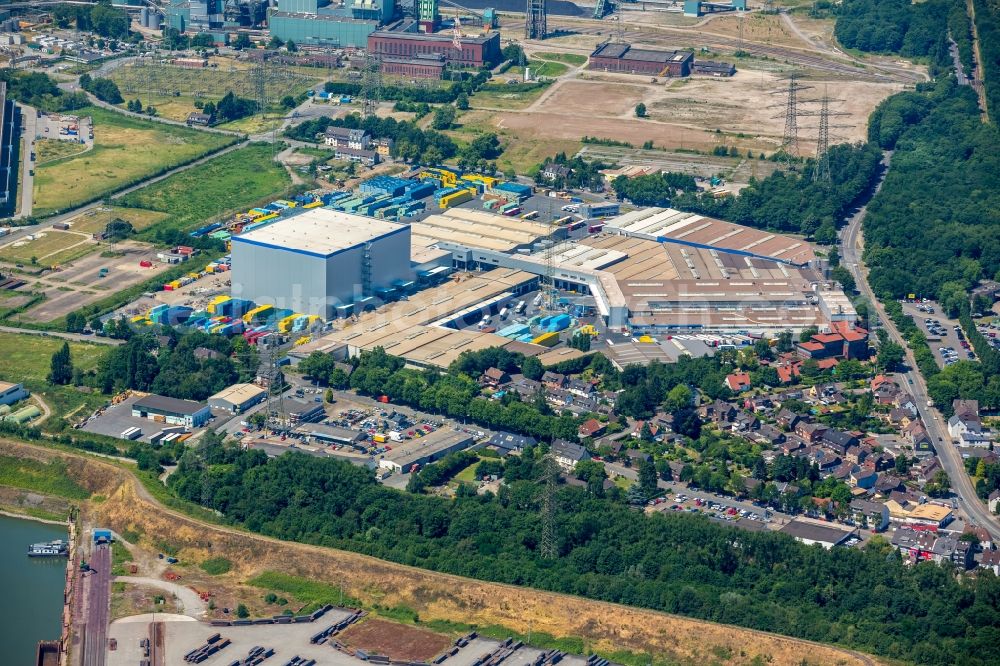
27	359
231	182
49	150
50	478
504	97
139	219
47	247
574	59
126	150
309	592
544	67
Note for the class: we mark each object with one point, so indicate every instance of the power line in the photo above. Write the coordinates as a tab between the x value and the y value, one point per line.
535	26
371	85
549	548
790	136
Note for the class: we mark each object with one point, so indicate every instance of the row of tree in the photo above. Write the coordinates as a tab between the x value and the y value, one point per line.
866	599
410	142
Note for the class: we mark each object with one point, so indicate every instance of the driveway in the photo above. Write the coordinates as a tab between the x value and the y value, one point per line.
191	603
28	131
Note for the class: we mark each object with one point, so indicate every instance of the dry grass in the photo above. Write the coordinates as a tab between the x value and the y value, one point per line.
139	218
46	246
434	596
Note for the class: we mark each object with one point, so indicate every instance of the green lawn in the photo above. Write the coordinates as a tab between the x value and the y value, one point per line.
574	59
501	96
549	68
229	183
126	150
49	478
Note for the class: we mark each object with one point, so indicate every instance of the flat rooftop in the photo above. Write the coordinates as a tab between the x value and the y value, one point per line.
320	232
478	229
674	226
800	529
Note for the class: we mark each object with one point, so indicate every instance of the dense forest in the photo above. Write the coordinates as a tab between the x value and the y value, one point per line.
932	229
867	599
988	24
912	30
792	202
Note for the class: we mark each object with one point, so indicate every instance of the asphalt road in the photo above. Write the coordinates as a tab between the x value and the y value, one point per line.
76	337
98	607
852	243
30	116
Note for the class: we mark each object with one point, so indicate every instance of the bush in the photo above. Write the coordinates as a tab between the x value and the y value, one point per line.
216	566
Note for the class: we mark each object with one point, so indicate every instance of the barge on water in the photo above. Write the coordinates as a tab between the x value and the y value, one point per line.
57	548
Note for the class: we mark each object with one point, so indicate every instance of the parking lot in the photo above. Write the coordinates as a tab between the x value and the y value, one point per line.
725	509
116	419
183	634
58	127
942	333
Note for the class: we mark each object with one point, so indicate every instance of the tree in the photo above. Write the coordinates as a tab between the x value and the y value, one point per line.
532	368
275	43
288	102
242	42
678	397
647	478
462	102
444	116
640	110
61	371
75	322
890	356
106	90
242	612
118	229
291	47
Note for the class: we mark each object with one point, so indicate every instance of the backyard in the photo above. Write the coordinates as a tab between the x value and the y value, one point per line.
126	150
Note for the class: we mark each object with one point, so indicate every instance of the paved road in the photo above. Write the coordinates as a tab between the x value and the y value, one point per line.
98	604
850	250
30	129
76	337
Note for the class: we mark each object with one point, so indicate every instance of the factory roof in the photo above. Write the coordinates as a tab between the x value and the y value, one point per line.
627	52
814	532
162	403
478	229
319	16
414	450
391	32
673	226
320	232
238	394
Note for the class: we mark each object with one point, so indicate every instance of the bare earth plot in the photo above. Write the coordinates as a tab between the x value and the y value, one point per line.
396	641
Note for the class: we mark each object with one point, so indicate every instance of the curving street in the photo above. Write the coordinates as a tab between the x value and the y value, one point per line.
851	246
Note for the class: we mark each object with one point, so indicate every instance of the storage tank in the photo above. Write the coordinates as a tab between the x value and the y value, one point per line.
144	17
155	19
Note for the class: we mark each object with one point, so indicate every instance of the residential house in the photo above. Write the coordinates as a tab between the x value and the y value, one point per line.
494	378
205	354
553	172
568	454
760	404
554	380
788	371
864	479
810	432
925	470
991	560
200	119
966	427
383	146
745	422
366	157
787	419
843	341
343	137
737	382
591	428
525	387
870	515
792	444
913	544
768	434
580	388
857	454
637	456
993	501
899	417
953	550
718	412
884	389
916	434
886	483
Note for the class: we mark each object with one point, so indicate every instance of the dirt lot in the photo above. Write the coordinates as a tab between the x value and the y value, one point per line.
77	284
686	113
396	641
434	596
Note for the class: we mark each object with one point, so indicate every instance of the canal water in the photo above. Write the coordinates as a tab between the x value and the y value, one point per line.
32	589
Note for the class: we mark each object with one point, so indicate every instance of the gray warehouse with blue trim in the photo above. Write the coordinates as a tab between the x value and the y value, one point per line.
322	262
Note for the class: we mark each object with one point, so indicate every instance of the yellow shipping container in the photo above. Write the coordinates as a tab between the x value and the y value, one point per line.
547	339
